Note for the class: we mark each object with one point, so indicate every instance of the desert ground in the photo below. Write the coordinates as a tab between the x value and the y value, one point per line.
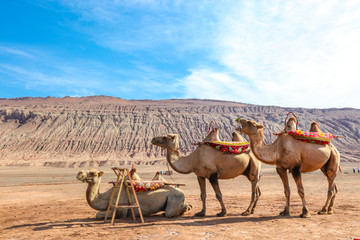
49	203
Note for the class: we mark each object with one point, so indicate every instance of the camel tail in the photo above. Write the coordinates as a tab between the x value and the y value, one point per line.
340	169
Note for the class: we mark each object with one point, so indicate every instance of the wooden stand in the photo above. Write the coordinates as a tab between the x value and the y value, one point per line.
122	172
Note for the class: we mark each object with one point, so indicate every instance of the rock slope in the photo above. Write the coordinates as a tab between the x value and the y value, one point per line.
108	131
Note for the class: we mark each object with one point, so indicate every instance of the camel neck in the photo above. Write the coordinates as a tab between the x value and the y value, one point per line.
265	153
181	164
96	200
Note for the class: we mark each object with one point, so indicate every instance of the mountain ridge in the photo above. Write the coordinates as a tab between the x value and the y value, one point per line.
108	131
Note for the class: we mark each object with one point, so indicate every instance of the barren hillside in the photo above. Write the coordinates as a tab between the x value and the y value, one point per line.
107	131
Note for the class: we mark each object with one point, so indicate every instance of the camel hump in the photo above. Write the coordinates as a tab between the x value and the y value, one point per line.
314	127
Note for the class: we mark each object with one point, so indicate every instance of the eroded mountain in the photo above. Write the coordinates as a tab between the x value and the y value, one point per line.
108	131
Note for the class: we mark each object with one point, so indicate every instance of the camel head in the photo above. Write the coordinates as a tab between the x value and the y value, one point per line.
90	176
248	127
170	141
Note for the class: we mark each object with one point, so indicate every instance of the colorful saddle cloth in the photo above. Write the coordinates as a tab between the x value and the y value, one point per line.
312	137
229	147
144	186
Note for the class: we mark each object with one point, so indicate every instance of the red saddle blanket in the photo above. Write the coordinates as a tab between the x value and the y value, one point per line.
143	186
312	137
229	147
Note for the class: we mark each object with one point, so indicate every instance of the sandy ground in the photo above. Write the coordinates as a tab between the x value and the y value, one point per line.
49	203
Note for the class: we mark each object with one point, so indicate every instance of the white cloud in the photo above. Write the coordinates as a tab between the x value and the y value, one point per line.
303	54
207	84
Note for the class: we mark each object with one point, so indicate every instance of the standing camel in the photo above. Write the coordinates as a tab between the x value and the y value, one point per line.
297	156
209	163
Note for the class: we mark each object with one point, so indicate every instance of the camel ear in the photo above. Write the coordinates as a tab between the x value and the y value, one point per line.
101	173
260	126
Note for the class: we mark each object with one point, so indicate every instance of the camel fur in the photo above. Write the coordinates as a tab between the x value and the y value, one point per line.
168	198
296	156
211	164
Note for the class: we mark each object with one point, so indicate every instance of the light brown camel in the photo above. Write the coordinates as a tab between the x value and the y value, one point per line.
297	156
211	164
168	198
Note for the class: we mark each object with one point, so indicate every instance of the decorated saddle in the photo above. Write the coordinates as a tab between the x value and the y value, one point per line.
229	147
144	186
312	137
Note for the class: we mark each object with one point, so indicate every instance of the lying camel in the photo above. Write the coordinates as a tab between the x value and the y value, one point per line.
297	156
168	198
211	164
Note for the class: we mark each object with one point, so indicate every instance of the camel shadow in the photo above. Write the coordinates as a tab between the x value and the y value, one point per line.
203	221
149	221
73	223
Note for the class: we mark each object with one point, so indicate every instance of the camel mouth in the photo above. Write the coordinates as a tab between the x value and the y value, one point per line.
80	176
240	127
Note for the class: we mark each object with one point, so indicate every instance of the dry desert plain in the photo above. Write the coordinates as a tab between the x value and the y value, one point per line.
49	203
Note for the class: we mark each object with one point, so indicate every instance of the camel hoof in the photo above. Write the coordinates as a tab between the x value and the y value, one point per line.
284	213
246	213
322	212
221	214
200	214
305	215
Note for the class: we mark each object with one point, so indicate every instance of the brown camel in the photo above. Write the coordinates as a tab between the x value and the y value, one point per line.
297	156
211	164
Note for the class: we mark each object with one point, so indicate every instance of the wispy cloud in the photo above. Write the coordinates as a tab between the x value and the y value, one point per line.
129	26
291	54
15	51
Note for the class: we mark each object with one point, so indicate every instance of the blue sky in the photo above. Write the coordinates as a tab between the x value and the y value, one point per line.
284	53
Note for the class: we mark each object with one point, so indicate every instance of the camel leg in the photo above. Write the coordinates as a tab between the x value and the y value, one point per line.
330	210
332	190
215	184
175	203
258	193
202	185
284	178
255	194
297	177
